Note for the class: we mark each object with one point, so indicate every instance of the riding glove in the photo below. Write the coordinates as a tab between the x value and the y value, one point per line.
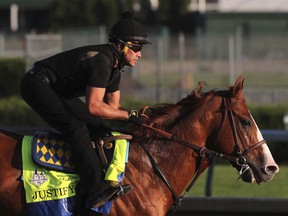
133	117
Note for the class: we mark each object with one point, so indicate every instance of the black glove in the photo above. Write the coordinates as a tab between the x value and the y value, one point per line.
133	117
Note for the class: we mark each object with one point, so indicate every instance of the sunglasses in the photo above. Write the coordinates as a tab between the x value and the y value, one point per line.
134	47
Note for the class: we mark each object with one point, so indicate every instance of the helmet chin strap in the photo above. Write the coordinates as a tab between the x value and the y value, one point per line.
119	55
121	65
124	49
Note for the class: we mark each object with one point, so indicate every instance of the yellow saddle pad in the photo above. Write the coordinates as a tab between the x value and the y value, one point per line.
43	184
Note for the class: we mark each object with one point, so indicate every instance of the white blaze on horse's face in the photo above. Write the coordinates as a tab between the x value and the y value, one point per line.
270	167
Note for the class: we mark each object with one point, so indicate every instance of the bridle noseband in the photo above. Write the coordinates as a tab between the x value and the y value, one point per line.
205	153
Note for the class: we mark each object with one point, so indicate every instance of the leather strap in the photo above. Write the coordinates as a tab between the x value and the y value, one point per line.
177	199
101	152
102	141
118	137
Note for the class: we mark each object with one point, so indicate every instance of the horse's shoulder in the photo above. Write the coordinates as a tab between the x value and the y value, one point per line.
9	134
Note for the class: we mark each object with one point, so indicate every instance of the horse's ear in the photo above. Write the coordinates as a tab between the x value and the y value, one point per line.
238	87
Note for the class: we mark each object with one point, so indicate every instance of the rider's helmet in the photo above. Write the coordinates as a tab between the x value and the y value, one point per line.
129	32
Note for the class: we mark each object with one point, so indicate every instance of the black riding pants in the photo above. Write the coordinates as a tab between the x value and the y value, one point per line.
68	116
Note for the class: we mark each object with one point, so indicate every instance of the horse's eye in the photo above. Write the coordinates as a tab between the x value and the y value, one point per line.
245	122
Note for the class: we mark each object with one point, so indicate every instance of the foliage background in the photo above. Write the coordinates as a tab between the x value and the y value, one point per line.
92	13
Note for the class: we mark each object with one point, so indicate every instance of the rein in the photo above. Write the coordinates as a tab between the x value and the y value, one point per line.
204	153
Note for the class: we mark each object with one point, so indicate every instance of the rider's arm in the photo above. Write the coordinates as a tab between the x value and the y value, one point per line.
109	110
113	99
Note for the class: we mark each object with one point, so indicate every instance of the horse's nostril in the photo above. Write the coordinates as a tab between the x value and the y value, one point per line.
271	169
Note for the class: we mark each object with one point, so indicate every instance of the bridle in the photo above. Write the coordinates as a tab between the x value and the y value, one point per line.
204	153
239	159
227	110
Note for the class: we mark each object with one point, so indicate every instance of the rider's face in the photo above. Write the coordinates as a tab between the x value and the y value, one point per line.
131	57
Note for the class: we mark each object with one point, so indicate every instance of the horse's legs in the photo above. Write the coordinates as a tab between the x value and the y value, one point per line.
11	187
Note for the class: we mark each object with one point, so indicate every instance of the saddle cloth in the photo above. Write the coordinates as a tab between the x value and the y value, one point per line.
51	151
47	192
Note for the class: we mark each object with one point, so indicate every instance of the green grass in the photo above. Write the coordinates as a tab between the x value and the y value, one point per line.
225	184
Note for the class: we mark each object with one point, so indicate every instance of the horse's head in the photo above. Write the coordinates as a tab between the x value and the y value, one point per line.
217	123
239	137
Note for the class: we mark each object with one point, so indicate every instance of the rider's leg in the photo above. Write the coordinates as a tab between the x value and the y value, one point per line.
43	99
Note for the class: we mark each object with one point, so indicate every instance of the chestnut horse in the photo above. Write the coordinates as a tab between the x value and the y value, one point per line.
167	152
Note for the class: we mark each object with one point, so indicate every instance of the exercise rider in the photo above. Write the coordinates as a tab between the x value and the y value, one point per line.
53	85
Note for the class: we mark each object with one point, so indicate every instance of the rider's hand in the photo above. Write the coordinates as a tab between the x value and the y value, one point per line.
133	117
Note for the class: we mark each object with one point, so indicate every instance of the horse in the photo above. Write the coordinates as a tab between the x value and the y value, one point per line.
169	151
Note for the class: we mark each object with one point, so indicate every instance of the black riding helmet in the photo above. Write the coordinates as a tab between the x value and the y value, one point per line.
128	29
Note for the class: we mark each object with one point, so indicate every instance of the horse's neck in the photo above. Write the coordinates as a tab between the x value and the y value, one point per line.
175	162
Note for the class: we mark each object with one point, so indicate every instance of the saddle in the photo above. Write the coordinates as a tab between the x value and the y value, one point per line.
50	150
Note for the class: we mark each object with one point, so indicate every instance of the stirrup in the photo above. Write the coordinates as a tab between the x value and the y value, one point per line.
104	197
125	189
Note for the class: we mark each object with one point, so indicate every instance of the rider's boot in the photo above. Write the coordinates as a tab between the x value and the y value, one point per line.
125	189
97	200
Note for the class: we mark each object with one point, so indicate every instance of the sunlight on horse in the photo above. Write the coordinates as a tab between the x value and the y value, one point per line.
204	124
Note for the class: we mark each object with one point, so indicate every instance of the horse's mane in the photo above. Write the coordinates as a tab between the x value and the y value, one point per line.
168	114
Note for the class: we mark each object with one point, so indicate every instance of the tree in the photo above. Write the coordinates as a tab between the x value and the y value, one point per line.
76	13
172	12
93	13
